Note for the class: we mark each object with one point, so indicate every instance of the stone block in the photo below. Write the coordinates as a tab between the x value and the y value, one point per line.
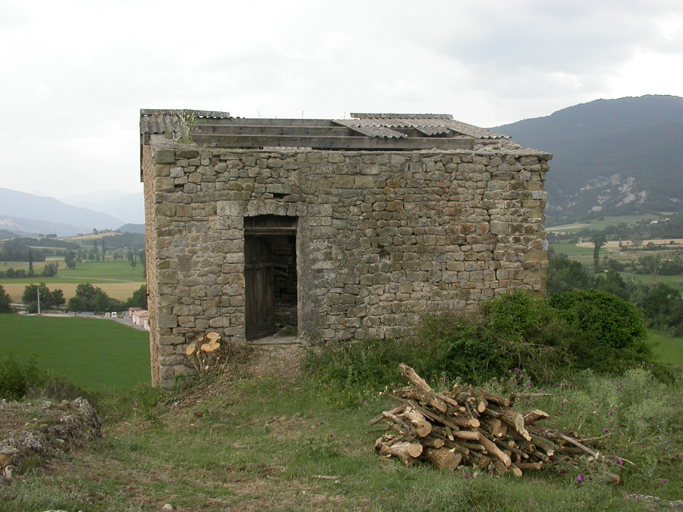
164	156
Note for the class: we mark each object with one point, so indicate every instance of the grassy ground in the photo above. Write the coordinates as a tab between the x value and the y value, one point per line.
281	443
97	354
668	349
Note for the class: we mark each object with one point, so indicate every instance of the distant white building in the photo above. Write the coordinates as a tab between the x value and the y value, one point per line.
140	317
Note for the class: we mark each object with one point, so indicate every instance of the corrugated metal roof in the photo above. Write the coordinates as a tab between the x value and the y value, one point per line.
170	121
429	124
370	129
364	132
402	116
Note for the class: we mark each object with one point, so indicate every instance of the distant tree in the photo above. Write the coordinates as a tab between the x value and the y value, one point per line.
566	275
133	263
48	299
50	269
70	260
613	283
662	307
6	301
104	251
138	299
91	298
30	262
599	239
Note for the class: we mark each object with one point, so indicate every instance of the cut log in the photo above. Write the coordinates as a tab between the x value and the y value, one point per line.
492	449
407	452
422	427
502	401
534	466
465	422
443	459
432	442
190	349
534	416
210	347
467	435
484	462
424	397
213	337
410	374
375	421
495	428
544	444
590	452
515	420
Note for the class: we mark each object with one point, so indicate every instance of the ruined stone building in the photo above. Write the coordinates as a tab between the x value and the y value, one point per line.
343	229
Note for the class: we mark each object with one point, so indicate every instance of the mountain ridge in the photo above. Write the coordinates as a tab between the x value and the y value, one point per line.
613	157
24	213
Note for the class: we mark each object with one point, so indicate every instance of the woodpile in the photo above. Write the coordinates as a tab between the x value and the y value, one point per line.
471	426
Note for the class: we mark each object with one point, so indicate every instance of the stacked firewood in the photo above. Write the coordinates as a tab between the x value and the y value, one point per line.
470	426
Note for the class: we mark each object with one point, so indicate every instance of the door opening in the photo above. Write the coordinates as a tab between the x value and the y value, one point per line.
270	276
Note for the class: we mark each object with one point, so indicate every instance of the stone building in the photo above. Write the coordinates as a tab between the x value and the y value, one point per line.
344	229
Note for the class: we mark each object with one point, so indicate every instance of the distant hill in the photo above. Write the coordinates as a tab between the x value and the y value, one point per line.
4	234
132	228
130	208
611	157
27	214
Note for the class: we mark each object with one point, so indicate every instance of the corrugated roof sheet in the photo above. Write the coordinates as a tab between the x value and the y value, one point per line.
429	124
370	129
169	121
363	132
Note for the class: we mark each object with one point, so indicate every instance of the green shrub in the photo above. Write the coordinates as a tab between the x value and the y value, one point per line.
512	331
607	319
16	379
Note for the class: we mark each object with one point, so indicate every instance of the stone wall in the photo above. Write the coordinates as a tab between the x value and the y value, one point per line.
381	237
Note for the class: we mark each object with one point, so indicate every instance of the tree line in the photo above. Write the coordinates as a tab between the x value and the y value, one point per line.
87	298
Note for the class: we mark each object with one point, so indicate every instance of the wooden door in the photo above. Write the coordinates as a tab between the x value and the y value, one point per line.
259	292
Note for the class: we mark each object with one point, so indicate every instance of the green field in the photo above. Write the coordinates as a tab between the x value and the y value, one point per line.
608	221
668	349
92	271
673	281
98	354
116	278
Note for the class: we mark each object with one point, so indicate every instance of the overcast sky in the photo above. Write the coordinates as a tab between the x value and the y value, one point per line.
74	74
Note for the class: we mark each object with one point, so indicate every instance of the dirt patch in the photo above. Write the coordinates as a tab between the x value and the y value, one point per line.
282	360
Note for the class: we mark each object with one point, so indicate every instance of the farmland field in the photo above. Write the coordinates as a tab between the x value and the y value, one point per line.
602	224
116	278
98	354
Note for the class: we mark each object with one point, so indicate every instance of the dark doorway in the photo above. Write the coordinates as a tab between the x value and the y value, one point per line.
270	275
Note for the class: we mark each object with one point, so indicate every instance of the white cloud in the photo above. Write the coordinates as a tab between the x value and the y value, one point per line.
79	71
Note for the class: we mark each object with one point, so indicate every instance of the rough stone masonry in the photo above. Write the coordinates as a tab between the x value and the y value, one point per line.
380	236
